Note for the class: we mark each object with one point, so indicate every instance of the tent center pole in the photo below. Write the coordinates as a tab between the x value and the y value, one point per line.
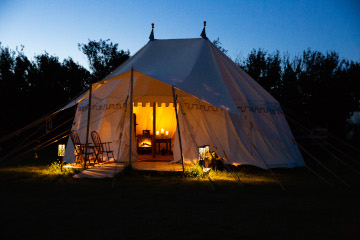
154	131
131	113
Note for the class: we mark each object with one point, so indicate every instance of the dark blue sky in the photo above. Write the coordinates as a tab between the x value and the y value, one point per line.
293	26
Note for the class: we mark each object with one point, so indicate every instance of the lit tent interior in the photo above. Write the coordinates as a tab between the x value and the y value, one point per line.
218	104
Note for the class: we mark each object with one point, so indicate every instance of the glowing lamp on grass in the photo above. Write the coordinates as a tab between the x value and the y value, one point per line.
61	150
61	153
207	149
201	153
204	156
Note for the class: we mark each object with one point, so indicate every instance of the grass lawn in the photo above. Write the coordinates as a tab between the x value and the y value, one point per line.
143	205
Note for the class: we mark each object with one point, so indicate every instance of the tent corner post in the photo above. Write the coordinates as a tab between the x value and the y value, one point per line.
178	127
88	128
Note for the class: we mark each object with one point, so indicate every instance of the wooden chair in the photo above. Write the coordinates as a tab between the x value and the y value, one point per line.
81	148
101	147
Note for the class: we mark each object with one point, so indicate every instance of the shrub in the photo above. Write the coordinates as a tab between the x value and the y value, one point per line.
194	171
55	168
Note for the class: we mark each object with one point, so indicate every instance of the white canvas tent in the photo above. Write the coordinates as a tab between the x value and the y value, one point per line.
218	105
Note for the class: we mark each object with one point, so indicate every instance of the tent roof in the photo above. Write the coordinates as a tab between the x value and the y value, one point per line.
198	67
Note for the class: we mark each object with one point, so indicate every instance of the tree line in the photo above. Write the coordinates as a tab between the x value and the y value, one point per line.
30	89
321	88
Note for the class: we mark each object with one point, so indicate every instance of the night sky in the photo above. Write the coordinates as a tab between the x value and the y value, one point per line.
289	26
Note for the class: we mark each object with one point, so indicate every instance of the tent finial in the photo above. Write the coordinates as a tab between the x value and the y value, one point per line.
151	37
203	33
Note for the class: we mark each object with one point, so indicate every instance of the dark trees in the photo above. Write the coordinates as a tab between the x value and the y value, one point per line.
323	89
30	89
103	57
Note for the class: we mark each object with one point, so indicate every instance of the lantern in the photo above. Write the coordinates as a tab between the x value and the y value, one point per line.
167	133
157	133
206	159
61	150
201	156
207	149
204	156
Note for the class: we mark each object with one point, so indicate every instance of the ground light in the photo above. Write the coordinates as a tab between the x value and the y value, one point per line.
204	161
61	153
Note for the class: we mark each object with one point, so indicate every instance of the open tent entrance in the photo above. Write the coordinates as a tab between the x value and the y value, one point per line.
155	128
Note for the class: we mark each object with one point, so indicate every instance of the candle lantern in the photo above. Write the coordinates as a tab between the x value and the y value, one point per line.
167	133
61	150
204	152
61	153
207	149
206	157
201	156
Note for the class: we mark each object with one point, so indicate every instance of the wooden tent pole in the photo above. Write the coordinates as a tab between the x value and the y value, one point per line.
131	112
153	144
178	127
88	128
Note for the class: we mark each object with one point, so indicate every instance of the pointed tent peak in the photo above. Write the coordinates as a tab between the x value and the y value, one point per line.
151	37
203	33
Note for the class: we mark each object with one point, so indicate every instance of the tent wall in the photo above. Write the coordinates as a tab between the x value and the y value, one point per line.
268	143
199	127
106	118
268	138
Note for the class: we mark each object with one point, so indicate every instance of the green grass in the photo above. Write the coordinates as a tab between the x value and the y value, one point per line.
39	202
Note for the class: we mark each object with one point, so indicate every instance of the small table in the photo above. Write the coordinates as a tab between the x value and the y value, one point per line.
164	140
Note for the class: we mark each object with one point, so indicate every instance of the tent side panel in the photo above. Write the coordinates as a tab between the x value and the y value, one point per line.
271	139
212	128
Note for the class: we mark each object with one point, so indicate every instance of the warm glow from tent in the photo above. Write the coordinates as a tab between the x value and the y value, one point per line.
165	119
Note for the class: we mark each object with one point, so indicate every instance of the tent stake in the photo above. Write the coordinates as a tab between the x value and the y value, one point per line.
178	128
131	112
87	129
